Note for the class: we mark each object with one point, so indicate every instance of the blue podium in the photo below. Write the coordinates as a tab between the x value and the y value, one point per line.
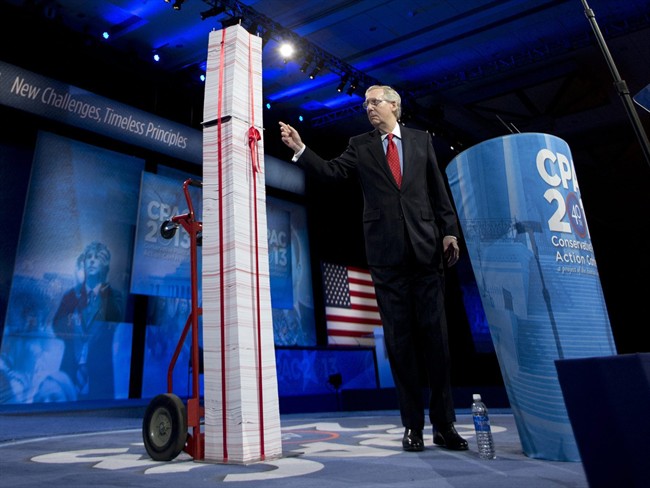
526	233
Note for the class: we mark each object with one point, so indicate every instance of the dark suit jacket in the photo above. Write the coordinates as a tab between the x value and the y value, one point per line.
422	207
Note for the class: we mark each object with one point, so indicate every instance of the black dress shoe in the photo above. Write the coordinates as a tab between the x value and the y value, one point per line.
412	440
449	438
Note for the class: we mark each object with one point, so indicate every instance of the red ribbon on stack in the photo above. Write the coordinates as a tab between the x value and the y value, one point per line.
253	137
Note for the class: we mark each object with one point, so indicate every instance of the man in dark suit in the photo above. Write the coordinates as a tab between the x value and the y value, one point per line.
409	228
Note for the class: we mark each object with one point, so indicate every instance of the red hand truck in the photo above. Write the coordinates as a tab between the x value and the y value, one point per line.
167	422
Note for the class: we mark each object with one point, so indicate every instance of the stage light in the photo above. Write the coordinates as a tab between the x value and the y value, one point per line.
344	81
230	21
268	105
316	70
300	118
286	51
213	12
178	4
352	87
254	29
156	57
306	64
106	34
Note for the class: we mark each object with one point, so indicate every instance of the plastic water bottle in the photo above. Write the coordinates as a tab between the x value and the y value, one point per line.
482	427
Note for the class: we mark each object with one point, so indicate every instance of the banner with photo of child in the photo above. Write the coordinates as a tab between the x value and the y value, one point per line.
67	334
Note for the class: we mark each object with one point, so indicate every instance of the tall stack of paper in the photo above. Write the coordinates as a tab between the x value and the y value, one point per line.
242	421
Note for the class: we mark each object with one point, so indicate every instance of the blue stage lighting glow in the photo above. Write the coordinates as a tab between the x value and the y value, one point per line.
305	87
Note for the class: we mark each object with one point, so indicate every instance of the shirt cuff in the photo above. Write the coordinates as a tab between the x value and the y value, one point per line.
298	154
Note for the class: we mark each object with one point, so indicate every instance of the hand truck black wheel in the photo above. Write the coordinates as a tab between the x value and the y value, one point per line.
168	229
164	427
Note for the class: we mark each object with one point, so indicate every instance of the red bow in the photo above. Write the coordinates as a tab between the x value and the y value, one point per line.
253	137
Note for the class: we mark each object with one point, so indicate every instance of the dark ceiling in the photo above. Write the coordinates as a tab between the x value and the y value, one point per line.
468	70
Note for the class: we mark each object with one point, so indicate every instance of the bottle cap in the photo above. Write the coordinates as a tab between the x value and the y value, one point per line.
476	397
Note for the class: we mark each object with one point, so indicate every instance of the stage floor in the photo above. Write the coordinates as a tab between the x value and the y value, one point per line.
103	448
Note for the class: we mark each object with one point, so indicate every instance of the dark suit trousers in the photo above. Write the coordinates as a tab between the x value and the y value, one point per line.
411	304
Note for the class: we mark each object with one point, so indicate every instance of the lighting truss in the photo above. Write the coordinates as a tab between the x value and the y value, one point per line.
273	30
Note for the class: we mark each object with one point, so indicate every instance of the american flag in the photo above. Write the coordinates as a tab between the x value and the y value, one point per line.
351	309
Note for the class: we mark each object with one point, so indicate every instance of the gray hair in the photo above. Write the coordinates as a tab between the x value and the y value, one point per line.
390	95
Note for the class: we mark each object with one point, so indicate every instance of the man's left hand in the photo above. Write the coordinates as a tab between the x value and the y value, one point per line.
451	250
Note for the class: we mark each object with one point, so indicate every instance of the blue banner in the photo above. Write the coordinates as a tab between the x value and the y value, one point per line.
524	224
67	334
292	297
64	103
162	267
310	371
279	237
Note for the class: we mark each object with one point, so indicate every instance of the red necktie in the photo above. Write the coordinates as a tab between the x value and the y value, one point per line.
392	156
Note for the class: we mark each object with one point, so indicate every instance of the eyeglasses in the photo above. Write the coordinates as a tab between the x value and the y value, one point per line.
373	101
